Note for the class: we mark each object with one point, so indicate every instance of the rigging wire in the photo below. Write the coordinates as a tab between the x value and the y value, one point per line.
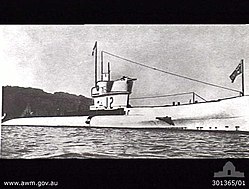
170	73
160	96
200	97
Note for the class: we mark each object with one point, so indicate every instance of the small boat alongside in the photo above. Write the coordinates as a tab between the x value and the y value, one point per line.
112	109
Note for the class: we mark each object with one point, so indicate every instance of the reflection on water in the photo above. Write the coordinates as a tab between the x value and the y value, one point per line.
66	142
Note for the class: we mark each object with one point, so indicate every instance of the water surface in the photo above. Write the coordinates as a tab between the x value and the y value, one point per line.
20	142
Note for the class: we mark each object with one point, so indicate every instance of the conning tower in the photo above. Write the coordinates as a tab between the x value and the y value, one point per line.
110	94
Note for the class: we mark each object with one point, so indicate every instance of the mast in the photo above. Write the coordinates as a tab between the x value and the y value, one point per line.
243	81
96	71
109	72
102	65
95	66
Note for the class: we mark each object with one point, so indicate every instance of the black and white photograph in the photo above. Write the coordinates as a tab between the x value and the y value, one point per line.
124	91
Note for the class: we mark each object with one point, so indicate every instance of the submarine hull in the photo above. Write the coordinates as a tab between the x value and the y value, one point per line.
221	115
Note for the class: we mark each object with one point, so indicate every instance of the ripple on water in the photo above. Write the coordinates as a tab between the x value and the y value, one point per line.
63	142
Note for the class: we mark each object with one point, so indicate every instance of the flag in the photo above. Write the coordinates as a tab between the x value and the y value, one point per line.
95	46
236	72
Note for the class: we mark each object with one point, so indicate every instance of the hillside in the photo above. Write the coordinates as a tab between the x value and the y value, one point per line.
20	102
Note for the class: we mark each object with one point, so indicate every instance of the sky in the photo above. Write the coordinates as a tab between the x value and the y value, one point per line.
59	57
